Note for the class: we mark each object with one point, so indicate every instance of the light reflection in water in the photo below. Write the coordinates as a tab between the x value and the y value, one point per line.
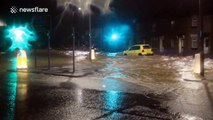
117	75
16	85
11	87
22	81
112	99
79	95
22	86
116	69
115	72
13	63
111	54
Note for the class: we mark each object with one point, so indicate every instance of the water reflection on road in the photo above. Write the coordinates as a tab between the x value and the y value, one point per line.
22	89
8	83
8	98
112	99
13	88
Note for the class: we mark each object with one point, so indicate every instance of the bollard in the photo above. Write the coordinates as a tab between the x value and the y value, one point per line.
197	63
92	54
21	59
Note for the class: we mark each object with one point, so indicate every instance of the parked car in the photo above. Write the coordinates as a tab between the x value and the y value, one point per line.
140	49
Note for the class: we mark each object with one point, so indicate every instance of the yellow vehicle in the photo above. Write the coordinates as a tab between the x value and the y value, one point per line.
140	49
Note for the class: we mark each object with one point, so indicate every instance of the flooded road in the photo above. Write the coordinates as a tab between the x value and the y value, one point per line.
116	88
171	76
31	97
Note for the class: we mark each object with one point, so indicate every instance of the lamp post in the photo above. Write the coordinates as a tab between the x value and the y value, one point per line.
73	43
48	35
73	36
201	40
90	39
73	49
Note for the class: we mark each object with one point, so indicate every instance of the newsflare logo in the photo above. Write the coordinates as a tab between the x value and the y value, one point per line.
15	9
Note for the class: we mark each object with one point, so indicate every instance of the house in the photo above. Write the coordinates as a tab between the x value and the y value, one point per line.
180	35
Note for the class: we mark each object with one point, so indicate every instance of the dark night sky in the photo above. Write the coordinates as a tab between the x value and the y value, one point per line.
160	8
123	10
127	8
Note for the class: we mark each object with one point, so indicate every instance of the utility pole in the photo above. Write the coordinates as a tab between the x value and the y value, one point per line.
48	51
35	58
201	40
49	35
90	39
73	49
73	41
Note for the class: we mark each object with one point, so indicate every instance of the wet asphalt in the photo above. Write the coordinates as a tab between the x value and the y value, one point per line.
112	88
27	96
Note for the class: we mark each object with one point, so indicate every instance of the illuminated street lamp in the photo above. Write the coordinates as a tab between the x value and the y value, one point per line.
114	37
20	37
21	54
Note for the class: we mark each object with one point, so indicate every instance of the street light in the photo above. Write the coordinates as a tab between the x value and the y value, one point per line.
20	36
73	35
114	37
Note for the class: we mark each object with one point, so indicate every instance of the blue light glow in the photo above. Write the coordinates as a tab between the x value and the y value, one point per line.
111	54
116	33
112	99
11	93
116	36
20	36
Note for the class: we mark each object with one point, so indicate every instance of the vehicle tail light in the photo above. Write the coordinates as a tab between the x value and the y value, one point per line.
142	50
